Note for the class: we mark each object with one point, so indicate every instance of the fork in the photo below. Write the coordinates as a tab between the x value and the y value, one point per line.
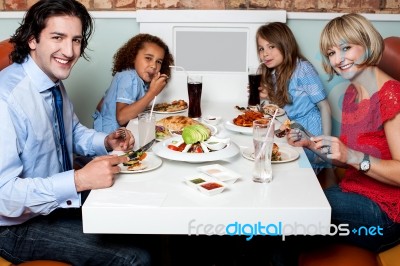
299	126
122	133
279	133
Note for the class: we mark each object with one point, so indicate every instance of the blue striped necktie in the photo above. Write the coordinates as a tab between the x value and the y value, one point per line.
58	102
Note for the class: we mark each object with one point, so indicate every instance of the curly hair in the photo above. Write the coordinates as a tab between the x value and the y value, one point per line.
125	57
280	35
353	29
35	21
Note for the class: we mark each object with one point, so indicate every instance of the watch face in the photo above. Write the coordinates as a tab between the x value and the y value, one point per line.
364	166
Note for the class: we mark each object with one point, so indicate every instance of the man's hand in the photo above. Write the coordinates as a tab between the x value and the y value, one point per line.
121	139
98	173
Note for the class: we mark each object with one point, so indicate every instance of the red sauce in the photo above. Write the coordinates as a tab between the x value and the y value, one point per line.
210	186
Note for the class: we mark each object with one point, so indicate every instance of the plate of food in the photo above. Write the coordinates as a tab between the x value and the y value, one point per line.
244	130
243	123
173	126
150	162
195	145
280	154
173	107
269	109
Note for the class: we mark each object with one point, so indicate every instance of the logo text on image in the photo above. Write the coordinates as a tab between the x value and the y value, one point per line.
278	229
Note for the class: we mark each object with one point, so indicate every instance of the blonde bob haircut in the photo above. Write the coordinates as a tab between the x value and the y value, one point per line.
351	29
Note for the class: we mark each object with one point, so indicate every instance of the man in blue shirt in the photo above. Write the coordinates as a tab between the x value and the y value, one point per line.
39	196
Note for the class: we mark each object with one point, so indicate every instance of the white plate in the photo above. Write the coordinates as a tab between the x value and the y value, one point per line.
287	154
172	112
161	149
280	110
152	162
244	130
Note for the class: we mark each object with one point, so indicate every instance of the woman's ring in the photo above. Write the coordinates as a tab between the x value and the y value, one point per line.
326	149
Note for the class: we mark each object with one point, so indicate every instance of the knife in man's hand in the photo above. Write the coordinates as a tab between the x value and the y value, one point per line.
134	155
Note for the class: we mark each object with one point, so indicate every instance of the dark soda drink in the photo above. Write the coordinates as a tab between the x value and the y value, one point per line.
194	92
254	83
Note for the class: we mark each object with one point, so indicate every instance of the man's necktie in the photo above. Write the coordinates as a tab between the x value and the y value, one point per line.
59	111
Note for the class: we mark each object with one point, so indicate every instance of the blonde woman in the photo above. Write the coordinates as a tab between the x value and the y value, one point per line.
369	194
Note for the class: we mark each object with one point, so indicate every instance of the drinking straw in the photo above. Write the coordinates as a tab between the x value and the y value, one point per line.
266	136
152	106
179	67
149	118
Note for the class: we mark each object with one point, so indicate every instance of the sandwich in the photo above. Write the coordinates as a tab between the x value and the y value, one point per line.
174	125
276	155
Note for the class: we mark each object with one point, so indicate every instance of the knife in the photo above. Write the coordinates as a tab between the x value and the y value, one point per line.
133	155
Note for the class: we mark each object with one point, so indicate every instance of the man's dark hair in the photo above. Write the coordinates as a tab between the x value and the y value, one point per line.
35	21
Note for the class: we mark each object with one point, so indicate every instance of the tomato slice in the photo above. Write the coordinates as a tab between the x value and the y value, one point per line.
142	156
182	147
198	149
173	147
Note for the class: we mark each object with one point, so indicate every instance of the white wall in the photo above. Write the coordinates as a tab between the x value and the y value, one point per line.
217	86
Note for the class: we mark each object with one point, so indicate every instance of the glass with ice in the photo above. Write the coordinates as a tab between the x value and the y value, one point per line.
263	139
147	127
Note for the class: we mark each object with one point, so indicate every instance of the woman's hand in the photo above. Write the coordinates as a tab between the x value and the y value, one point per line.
336	150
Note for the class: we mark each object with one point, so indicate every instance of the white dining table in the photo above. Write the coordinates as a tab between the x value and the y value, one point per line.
160	202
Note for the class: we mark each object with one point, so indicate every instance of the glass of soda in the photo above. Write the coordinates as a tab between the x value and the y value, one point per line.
254	83
194	85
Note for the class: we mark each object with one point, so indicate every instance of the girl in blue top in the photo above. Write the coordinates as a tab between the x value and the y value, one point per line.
290	81
141	71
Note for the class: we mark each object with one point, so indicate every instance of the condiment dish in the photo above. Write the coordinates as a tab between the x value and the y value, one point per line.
220	173
212	120
211	188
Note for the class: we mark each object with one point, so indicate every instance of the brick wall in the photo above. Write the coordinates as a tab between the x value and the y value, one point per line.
363	6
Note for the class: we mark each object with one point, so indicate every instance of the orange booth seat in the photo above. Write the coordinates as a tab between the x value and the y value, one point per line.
3	262
5	50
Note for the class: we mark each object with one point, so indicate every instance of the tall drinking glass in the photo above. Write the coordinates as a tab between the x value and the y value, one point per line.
254	83
147	127
194	85
263	139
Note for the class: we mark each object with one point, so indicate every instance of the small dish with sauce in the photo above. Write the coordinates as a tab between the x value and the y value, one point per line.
220	173
211	188
195	180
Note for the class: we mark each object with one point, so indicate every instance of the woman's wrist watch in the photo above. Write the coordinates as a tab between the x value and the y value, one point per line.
365	164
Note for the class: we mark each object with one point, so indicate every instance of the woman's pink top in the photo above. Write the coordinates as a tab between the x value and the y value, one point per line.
362	130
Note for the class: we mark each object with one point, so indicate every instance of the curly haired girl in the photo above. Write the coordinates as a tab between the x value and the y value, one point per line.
141	71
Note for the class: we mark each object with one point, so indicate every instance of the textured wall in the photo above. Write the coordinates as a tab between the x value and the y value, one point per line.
364	6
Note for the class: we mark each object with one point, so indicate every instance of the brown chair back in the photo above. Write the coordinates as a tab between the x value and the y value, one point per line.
5	49
390	62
